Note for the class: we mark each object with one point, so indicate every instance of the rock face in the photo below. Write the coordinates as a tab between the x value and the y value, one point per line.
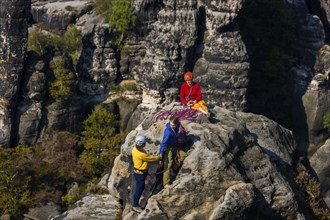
317	103
317	100
322	9
30	109
97	66
320	163
14	15
37	112
220	55
235	169
208	44
58	15
168	45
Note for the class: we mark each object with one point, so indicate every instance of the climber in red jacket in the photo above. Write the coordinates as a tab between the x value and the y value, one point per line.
191	94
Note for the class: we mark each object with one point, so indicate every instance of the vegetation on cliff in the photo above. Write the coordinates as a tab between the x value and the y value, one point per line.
309	189
70	42
64	82
60	168
101	142
118	13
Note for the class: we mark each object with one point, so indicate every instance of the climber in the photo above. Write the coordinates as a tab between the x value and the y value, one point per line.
168	149
140	162
191	94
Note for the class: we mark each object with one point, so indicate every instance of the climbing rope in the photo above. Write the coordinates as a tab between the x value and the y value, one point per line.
182	114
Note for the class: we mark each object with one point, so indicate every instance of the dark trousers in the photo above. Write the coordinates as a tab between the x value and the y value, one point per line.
139	187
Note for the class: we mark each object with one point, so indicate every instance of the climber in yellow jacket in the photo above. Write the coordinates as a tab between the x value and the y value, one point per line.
140	161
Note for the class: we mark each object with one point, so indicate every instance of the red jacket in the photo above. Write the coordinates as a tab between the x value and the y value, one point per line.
196	93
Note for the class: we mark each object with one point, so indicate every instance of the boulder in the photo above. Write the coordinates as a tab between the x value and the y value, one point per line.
238	166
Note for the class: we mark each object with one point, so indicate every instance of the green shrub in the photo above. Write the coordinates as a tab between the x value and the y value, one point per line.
55	167
326	120
15	178
129	86
70	42
74	196
62	86
125	85
103	7
119	14
114	88
100	141
39	39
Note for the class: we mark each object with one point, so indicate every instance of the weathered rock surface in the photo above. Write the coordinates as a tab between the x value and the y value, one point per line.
168	45
57	15
98	64
311	33
322	9
43	212
209	44
94	207
221	58
321	164
317	103
63	113
317	100
234	170
14	15
30	107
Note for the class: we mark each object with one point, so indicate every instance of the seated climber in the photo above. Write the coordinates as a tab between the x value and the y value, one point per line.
169	150
191	94
140	161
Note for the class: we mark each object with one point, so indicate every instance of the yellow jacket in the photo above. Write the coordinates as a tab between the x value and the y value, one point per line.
141	159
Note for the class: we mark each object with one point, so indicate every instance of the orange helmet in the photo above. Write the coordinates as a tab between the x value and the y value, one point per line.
188	76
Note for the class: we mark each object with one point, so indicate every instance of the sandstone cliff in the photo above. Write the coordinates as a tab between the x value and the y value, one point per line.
238	167
14	15
171	37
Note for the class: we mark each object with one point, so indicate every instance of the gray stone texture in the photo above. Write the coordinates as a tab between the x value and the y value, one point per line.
98	63
321	164
14	15
57	15
234	170
317	100
209	44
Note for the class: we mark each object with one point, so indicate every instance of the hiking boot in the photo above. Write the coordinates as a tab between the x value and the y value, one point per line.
137	209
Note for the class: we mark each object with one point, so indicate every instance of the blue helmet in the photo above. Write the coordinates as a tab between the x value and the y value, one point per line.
140	140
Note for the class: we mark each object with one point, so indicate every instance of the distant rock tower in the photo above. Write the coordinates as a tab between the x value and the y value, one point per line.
14	15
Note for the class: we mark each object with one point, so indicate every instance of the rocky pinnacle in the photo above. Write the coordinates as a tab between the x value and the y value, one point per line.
14	15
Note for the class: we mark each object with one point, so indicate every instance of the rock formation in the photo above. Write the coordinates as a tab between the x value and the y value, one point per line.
237	167
209	44
322	9
57	15
317	103
14	15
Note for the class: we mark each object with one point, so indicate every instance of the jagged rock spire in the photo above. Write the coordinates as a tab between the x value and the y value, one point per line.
14	15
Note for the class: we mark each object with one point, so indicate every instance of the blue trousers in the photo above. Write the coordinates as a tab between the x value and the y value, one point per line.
139	187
